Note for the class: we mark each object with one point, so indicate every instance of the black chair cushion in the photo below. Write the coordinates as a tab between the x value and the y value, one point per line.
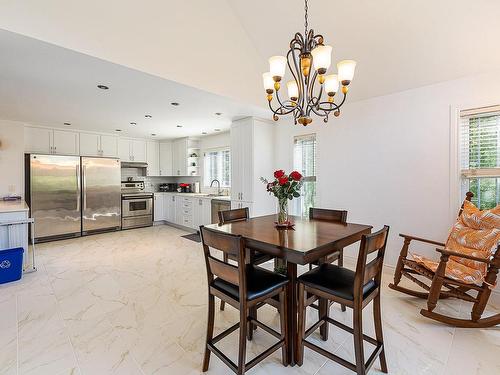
259	283
335	280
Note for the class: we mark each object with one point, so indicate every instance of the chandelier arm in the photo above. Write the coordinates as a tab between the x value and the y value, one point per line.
283	108
300	82
312	82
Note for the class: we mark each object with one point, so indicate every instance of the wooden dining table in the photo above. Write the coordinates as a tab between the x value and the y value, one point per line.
308	241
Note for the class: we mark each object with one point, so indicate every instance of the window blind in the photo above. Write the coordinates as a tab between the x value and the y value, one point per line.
217	165
304	158
480	155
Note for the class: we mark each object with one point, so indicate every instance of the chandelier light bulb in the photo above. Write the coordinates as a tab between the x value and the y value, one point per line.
322	58
346	71
293	90
277	67
268	82
331	84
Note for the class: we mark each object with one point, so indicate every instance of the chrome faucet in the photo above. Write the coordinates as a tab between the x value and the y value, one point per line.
218	185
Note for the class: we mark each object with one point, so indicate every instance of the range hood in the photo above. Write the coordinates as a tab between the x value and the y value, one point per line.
133	164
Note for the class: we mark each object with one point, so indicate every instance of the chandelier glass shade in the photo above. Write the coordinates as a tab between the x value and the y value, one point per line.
311	91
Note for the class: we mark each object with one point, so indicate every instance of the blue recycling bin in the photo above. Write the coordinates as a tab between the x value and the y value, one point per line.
11	264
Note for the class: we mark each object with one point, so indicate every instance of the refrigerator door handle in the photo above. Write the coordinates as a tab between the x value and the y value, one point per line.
78	187
84	187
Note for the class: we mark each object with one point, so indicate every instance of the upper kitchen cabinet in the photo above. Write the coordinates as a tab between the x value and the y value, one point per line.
185	157
92	144
132	150
152	158
252	157
166	159
51	141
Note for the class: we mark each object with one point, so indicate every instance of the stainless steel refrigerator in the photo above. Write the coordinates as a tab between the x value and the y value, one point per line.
70	196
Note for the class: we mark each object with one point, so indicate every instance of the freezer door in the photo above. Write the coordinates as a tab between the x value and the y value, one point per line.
101	194
54	183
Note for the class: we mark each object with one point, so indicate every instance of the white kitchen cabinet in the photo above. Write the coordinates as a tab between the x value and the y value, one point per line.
132	150
152	158
169	206
179	157
66	142
138	150
159	207
51	141
202	212
252	157
184	211
165	159
92	144
109	146
38	140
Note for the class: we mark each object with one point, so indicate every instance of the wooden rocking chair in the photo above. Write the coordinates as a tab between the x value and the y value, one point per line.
442	286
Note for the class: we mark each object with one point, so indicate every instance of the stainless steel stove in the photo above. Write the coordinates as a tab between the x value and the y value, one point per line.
137	205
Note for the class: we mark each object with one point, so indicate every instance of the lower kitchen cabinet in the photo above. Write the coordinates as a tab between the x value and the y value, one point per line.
202	214
159	213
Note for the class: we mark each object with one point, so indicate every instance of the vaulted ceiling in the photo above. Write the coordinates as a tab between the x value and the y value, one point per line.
222	46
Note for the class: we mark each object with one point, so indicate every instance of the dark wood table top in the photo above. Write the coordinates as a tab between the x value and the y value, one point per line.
309	240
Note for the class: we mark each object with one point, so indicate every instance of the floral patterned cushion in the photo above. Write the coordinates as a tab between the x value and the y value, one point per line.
475	233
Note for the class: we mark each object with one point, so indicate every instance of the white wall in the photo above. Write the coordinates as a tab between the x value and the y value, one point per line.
11	157
387	159
207	143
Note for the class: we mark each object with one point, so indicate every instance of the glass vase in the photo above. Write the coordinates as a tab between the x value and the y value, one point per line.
283	211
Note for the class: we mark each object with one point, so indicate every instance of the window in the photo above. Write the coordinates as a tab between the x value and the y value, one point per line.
480	155
217	166
304	161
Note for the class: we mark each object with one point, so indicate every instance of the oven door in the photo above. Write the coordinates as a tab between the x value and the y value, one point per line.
136	206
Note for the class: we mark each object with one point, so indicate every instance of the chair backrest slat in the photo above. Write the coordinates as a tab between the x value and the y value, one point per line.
228	216
338	216
224	270
365	272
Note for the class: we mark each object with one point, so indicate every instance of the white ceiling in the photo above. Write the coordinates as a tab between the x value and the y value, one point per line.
48	85
222	46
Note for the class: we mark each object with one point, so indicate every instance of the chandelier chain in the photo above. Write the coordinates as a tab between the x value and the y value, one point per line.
306	8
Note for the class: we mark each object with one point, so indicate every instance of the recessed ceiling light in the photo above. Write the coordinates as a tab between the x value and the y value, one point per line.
153	134
118	130
218	113
133	123
103	87
179	126
217	130
203	132
174	103
148	116
67	123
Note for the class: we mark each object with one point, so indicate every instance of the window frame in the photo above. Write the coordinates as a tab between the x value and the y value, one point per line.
297	206
455	176
205	174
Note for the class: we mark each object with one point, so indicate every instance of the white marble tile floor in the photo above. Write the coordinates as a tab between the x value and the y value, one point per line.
134	302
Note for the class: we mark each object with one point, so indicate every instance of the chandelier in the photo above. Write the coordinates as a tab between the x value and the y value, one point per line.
307	51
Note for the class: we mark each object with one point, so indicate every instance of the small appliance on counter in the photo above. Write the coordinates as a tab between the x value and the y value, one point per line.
184	188
168	188
196	187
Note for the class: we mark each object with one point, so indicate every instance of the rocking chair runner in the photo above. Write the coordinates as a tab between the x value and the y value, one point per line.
442	286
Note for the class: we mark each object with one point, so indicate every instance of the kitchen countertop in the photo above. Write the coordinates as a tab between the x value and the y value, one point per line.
13	206
197	195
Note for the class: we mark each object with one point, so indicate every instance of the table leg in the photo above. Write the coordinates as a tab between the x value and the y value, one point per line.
292	312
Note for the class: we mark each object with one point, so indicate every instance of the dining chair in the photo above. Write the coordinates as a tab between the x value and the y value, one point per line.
353	289
335	216
235	215
244	286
